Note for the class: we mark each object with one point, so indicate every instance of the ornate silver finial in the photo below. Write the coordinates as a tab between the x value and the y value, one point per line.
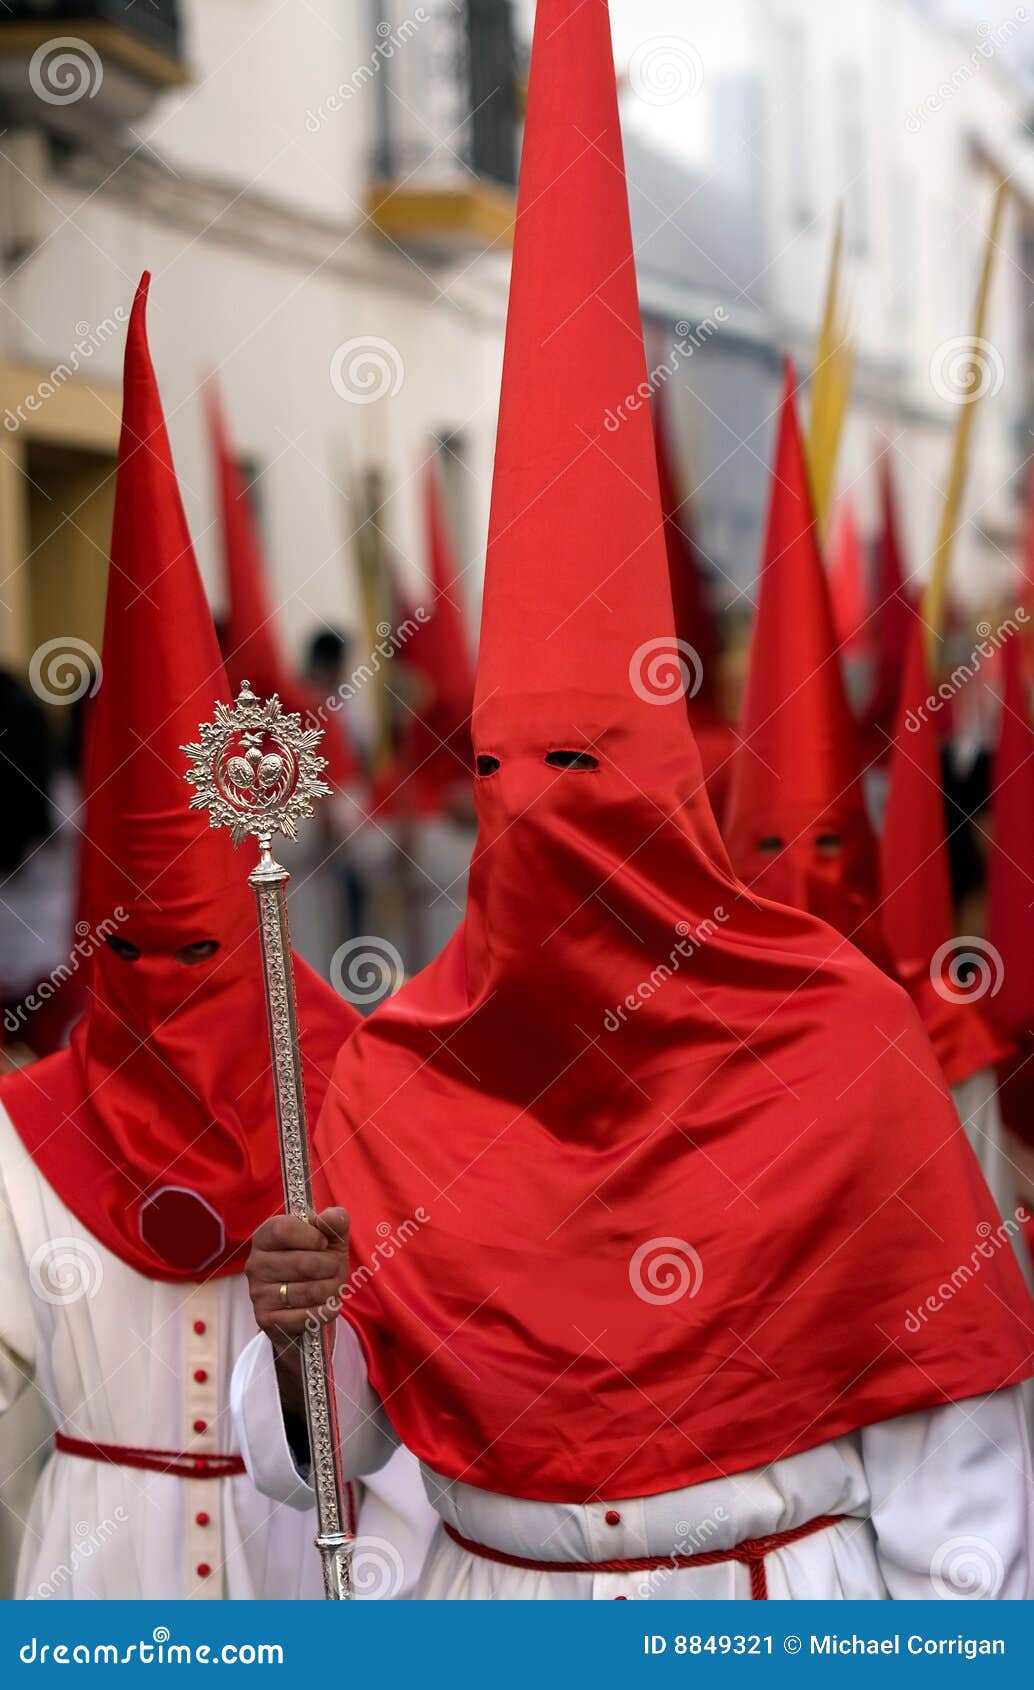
256	769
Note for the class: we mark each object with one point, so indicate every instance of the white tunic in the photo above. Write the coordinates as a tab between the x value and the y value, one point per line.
976	1100
122	1359
940	1504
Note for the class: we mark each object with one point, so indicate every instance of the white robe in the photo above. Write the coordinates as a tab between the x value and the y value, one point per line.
114	1355
941	1504
976	1100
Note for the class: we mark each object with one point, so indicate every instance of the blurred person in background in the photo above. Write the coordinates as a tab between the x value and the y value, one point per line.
39	978
326	676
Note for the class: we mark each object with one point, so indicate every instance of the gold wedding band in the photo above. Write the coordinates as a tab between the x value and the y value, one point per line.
284	1303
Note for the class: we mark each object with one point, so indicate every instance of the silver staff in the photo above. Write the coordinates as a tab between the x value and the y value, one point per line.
257	772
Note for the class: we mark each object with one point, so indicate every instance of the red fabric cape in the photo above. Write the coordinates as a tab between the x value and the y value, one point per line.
131	1138
654	1215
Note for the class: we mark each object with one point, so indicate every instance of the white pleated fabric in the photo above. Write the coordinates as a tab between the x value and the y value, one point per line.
940	1504
976	1100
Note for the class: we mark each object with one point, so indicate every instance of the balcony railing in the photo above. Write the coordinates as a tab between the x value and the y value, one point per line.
447	117
85	65
155	21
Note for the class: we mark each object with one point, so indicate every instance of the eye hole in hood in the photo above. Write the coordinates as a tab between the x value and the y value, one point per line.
124	949
571	760
487	765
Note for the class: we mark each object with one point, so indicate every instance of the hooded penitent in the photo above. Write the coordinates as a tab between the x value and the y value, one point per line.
796	825
1007	971
695	627
663	1162
916	912
157	1125
250	631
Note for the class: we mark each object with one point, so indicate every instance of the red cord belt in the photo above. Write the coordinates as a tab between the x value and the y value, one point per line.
751	1553
154	1460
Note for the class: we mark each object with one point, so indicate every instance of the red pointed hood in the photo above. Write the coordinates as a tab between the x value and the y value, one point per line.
1010	928
142	848
160	1137
847	578
250	635
440	648
436	759
577	594
1005	976
1025	561
695	626
796	826
623	1065
694	621
892	618
916	911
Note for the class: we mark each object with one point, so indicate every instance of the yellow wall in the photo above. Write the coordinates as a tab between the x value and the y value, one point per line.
57	459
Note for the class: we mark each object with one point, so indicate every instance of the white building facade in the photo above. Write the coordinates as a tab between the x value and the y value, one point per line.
349	297
323	193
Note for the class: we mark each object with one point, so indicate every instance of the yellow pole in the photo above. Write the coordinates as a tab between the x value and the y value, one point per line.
378	608
373	592
831	386
970	390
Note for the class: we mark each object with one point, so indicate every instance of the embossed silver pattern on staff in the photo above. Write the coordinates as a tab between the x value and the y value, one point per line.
257	771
